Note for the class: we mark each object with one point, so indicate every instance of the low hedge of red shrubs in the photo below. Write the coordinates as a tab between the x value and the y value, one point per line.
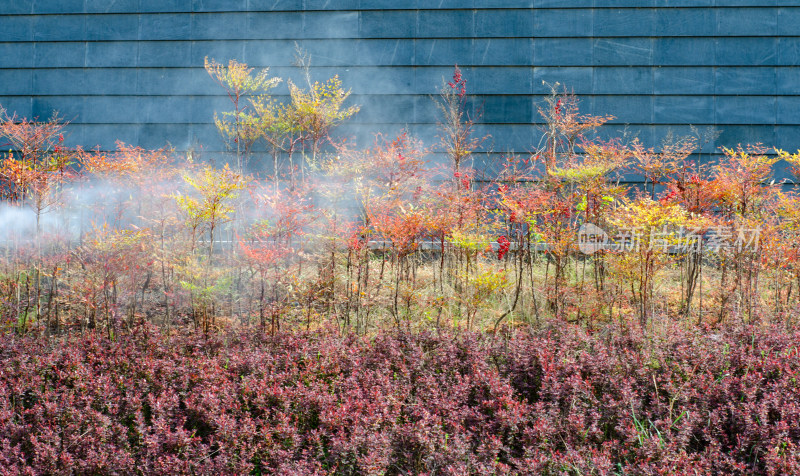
538	402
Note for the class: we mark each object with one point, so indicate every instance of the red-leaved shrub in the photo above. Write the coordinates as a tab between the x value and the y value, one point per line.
543	402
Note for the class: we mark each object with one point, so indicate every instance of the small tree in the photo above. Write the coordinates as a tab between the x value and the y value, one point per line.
210	207
271	244
564	127
306	120
648	230
456	125
277	126
575	174
743	193
239	128
206	209
38	166
33	175
319	110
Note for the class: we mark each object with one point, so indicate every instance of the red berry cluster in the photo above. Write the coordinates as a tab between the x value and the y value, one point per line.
458	83
505	245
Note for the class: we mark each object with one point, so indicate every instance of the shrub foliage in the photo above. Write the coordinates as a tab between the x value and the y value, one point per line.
555	401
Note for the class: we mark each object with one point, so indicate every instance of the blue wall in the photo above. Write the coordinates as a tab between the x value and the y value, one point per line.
133	69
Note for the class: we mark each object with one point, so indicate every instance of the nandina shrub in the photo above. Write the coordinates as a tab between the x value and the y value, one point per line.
551	401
